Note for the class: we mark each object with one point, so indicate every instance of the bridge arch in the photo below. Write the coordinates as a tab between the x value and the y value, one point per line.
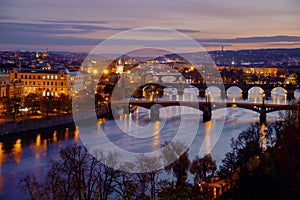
151	86
278	91
234	91
256	91
192	90
297	93
213	90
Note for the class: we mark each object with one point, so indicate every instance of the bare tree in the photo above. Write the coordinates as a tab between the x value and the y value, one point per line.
203	168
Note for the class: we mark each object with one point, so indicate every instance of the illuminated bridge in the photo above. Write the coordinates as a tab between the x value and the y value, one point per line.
206	107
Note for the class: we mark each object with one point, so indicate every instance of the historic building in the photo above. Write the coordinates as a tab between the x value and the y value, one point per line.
45	82
8	89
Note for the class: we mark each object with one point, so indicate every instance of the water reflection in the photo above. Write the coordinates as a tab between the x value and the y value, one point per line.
17	150
207	139
156	138
38	147
76	133
2	160
263	142
54	138
67	133
13	145
2	155
28	153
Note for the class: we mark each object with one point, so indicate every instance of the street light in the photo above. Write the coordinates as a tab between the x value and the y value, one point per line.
263	98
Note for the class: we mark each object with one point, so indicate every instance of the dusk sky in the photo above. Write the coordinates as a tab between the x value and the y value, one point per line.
77	25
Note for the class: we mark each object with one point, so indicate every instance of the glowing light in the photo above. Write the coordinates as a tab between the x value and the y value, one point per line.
207	139
54	139
2	155
156	138
38	140
76	133
263	142
17	150
67	134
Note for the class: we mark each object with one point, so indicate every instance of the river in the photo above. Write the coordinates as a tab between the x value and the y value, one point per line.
31	152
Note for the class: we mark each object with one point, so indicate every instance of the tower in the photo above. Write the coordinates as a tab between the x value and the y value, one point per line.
120	66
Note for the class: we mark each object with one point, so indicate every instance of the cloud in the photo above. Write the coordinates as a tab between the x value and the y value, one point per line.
76	21
187	31
253	39
15	39
53	28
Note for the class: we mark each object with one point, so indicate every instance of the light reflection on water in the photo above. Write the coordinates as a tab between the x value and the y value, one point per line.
29	153
20	155
17	150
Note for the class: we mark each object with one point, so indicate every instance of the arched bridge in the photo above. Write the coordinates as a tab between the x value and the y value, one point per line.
267	88
206	107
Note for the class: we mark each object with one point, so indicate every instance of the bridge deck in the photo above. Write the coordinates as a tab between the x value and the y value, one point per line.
269	107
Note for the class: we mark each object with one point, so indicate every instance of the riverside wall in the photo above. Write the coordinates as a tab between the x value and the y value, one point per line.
36	124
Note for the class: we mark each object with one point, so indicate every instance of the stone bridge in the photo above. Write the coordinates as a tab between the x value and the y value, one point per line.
267	88
205	107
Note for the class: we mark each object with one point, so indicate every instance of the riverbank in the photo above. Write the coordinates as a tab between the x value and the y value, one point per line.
42	123
35	124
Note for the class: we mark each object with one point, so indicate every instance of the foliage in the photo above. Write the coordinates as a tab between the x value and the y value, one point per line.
203	169
265	172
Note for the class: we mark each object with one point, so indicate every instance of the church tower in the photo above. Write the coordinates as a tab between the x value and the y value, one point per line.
120	66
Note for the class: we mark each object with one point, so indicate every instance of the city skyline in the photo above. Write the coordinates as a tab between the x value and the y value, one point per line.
77	26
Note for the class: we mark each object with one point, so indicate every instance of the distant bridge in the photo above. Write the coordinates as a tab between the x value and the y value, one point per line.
267	88
206	107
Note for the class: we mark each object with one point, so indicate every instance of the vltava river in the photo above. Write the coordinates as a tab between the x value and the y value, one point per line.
30	152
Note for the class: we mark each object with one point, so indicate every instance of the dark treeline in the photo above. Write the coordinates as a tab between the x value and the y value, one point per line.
261	165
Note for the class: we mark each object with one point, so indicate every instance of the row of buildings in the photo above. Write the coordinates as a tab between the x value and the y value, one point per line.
45	82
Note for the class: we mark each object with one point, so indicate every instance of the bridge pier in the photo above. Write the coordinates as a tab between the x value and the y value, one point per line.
245	94
290	95
154	113
207	113
223	94
263	116
109	111
180	90
126	109
268	92
201	92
